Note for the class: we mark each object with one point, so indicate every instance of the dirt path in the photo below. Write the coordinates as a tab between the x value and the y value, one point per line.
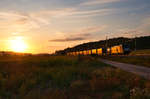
139	70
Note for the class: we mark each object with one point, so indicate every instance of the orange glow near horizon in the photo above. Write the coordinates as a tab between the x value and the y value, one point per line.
18	45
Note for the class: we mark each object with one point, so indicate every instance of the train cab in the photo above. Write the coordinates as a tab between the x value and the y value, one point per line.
126	49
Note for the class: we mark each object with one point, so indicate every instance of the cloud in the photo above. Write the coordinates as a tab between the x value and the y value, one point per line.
30	20
26	21
83	34
73	37
72	12
92	13
94	29
95	2
20	22
10	15
68	39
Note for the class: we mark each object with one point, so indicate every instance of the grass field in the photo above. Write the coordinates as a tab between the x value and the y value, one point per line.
141	52
136	60
63	77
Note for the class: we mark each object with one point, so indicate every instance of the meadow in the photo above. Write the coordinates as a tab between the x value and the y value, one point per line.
136	60
66	77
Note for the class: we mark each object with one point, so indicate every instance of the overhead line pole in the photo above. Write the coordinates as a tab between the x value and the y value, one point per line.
135	43
106	44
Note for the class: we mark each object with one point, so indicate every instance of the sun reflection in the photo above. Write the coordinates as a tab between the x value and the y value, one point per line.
17	44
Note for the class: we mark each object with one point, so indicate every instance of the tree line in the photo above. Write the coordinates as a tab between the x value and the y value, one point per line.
138	43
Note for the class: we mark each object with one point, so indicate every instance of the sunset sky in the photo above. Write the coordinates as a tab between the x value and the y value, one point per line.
44	26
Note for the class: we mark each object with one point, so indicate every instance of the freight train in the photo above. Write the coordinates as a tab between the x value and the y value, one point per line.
114	50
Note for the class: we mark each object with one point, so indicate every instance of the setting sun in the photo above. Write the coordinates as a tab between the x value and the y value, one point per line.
18	44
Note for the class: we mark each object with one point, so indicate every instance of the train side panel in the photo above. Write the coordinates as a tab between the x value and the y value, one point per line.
89	52
117	49
84	52
80	52
99	51
94	51
74	53
68	54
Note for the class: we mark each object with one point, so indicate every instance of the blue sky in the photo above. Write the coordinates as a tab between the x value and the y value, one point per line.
49	25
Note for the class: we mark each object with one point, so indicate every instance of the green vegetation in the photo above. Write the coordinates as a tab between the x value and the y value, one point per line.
136	60
63	77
